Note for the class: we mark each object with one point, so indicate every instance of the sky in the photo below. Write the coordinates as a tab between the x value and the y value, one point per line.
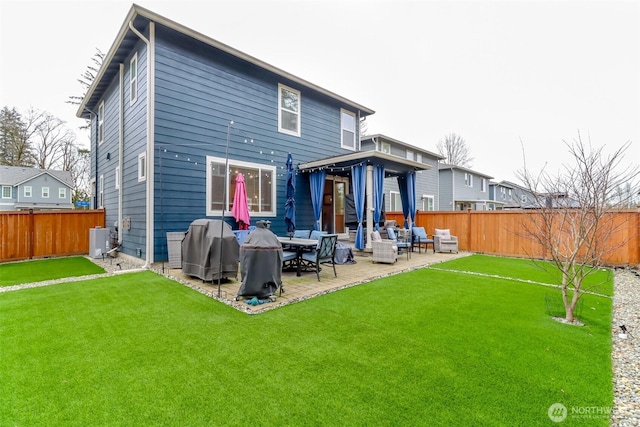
517	80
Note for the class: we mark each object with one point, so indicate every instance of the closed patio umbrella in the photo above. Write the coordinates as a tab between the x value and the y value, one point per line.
290	204
240	208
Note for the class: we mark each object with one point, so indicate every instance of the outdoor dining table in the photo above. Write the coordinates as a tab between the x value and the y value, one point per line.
300	246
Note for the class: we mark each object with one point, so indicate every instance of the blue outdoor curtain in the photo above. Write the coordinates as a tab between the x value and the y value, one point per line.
358	178
290	205
407	187
411	195
378	193
316	182
402	186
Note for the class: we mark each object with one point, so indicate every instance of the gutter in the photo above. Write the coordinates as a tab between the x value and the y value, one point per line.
150	137
95	196
120	155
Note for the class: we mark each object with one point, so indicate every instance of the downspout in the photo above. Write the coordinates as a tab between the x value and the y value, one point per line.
150	137
95	196
121	155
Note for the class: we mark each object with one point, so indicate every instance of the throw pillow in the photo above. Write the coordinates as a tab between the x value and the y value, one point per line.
444	234
375	237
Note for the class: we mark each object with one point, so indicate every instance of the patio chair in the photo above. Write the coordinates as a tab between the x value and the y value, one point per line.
384	250
444	241
324	253
301	234
419	238
401	244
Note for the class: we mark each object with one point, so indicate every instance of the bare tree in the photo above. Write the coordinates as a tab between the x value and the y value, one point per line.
456	150
52	142
87	78
575	212
80	167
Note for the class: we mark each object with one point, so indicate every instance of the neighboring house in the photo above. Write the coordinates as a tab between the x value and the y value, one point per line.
29	188
509	195
171	107
462	188
426	180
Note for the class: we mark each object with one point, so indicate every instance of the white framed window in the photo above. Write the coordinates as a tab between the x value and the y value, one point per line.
428	202
117	177
395	202
101	123
45	192
133	79
348	126
384	147
27	191
62	193
260	183
6	192
410	155
142	167
419	157
288	110
510	195
503	193
483	185
468	179
101	192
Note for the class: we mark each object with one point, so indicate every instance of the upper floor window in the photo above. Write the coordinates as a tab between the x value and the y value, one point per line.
483	185
503	192
62	193
384	147
101	123
45	192
410	155
133	79
468	179
288	110
260	183
27	191
348	125
142	167
510	195
6	192
419	157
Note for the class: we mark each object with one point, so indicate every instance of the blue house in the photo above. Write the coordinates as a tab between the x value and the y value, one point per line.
38	189
176	115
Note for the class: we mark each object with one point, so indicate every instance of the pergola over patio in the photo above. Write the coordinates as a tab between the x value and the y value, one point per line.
366	171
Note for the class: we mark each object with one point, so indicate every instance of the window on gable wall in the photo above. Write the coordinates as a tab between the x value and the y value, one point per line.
45	192
288	110
468	179
27	191
133	79
348	125
101	123
62	193
260	183
142	167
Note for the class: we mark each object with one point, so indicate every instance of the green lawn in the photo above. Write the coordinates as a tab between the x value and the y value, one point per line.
15	273
427	347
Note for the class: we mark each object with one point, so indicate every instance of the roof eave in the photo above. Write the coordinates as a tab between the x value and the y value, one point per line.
152	16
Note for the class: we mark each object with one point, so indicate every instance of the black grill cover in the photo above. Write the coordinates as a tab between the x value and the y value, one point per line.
260	263
203	247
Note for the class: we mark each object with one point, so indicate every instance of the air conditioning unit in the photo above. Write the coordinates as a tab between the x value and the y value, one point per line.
99	242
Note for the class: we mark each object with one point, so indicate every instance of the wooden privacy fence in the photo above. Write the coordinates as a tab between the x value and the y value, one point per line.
501	233
39	234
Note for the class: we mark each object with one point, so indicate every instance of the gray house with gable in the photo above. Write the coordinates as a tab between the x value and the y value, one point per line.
38	189
463	188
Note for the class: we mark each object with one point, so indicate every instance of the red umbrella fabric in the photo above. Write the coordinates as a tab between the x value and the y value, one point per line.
240	208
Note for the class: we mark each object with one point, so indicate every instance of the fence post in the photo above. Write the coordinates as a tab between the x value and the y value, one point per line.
31	234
